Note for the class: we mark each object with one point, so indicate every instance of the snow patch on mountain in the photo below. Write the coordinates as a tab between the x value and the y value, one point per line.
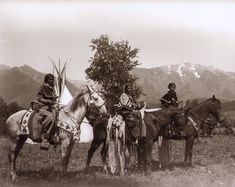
169	69
194	70
180	71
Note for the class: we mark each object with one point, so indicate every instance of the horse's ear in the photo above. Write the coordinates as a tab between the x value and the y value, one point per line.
89	89
213	97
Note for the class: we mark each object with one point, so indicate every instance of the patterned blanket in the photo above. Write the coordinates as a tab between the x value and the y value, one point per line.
70	129
24	128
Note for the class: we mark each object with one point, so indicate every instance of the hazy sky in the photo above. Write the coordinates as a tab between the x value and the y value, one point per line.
166	32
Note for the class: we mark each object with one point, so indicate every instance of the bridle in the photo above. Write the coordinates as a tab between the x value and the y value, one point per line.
75	120
205	120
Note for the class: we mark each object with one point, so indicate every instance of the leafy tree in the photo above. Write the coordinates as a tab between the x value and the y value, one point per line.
5	111
3	114
111	66
13	107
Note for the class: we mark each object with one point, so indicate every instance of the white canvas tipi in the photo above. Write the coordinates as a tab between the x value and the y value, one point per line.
65	97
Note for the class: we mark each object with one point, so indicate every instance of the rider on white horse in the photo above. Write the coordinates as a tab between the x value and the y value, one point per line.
46	98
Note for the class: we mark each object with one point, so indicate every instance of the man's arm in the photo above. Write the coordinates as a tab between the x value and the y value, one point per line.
43	100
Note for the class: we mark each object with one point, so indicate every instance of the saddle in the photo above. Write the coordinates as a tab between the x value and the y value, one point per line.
30	124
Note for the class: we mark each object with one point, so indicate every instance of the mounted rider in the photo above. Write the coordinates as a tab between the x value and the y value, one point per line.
129	110
170	98
46	97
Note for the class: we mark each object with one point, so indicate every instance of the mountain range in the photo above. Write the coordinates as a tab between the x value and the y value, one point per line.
21	84
193	81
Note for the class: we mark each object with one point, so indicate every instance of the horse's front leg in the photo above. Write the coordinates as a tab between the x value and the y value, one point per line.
94	146
148	145
140	154
186	152
191	152
103	153
66	149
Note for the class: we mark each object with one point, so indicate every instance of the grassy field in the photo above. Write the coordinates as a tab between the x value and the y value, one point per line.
214	165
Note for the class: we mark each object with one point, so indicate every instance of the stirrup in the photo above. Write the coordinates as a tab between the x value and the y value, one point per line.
45	145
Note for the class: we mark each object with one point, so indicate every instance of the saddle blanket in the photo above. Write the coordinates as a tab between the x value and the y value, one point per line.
70	129
24	128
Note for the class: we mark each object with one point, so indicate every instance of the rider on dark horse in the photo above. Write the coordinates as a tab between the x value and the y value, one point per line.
129	110
170	98
46	98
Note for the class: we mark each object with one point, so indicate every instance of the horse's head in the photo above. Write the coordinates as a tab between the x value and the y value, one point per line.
215	109
96	100
87	99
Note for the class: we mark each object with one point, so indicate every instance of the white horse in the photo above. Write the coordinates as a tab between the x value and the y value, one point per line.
72	114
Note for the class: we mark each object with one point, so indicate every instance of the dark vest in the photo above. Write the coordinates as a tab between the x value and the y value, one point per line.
169	98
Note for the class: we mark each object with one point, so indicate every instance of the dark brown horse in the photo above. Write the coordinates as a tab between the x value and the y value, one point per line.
191	122
153	120
99	124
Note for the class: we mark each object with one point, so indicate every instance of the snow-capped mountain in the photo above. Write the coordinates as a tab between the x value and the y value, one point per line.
192	81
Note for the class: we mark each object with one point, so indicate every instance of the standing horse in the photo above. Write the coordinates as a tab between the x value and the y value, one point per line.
73	114
192	121
153	120
99	124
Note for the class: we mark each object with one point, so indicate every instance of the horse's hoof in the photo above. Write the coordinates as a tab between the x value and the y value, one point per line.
13	176
86	170
105	169
190	165
114	171
148	172
123	172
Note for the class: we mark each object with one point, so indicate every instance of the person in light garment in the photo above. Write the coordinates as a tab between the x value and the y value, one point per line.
129	110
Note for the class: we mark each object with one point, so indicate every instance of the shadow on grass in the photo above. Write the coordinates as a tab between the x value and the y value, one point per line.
171	166
51	173
49	177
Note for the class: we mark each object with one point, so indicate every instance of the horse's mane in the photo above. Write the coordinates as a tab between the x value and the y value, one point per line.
77	101
203	102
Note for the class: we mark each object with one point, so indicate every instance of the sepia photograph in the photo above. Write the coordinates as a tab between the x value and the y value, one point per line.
117	93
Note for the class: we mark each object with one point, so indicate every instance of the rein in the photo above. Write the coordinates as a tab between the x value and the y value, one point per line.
199	118
157	119
71	117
